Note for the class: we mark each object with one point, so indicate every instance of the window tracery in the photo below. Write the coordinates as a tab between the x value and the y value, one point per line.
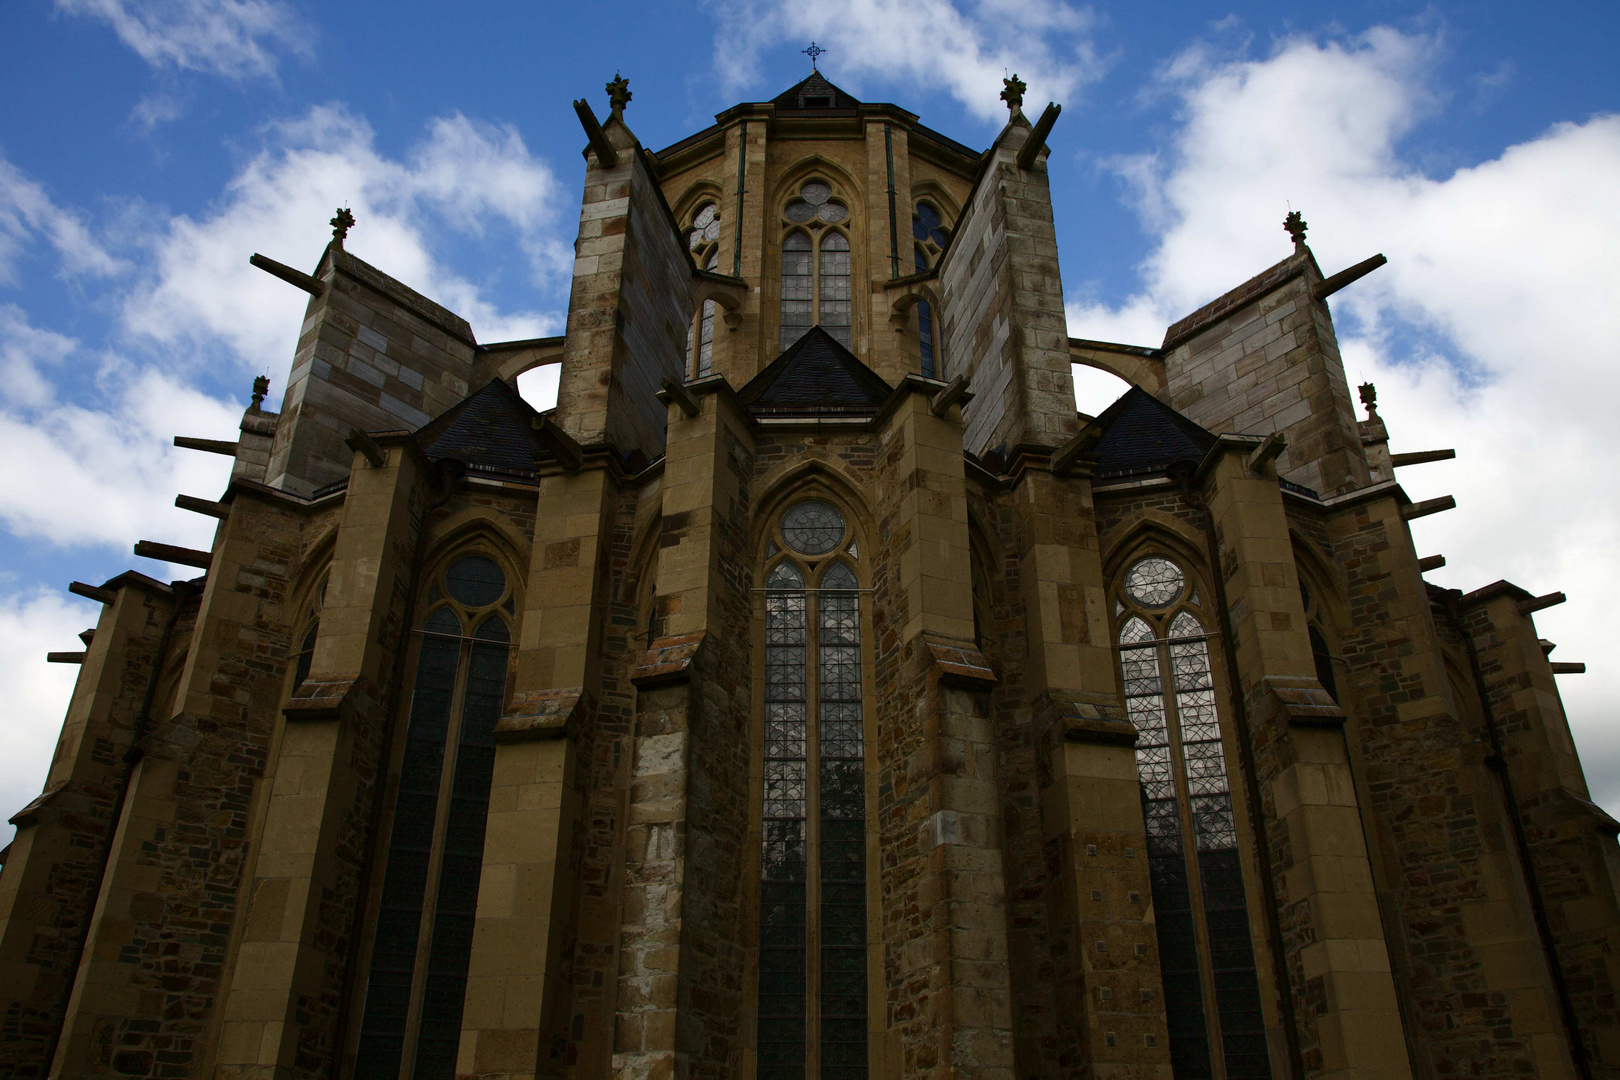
812	1001
929	234
703	240
418	976
1206	951
1321	654
312	631
816	266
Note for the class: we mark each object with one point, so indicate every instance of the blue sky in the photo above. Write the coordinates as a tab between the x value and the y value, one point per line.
149	146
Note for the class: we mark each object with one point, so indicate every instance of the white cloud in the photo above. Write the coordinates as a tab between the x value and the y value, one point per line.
463	178
235	38
33	623
24	351
964	50
1491	329
27	212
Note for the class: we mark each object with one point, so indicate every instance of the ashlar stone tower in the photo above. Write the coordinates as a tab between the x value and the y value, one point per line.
813	692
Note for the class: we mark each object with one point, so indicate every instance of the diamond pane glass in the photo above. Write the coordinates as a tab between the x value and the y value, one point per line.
1154	582
797	285
812	527
843	824
783	858
475	581
835	294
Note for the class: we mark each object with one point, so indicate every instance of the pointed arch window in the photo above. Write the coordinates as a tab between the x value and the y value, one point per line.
703	240
1206	951
311	631
411	1021
929	237
813	1013
1321	655
816	266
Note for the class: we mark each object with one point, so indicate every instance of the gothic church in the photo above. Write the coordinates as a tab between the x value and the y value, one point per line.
813	693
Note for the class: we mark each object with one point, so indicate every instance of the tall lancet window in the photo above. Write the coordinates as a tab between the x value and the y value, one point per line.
816	266
703	238
1206	951
813	1013
411	1022
929	237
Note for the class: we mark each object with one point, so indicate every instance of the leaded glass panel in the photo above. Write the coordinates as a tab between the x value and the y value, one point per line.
798	287
812	527
834	282
475	581
1154	582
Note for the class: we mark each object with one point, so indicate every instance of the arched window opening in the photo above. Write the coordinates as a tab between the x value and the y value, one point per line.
411	1023
1206	951
816	267
312	630
813	1012
703	240
1321	655
930	236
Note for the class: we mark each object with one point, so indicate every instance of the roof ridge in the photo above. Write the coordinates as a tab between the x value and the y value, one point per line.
816	374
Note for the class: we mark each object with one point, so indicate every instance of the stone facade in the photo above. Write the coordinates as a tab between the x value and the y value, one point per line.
1344	833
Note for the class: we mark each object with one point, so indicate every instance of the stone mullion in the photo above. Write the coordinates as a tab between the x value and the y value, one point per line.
515	1019
52	874
1343	996
290	969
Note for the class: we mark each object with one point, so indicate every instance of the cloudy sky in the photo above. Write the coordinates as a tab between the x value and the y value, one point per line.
149	146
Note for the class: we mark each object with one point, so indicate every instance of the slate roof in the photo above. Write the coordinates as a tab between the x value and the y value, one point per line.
816	376
1142	434
493	429
815	87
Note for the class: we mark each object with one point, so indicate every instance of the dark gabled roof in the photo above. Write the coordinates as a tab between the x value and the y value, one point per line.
1140	434
816	376
493	428
818	90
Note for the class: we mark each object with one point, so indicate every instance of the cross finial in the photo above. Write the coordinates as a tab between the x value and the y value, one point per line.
813	52
1369	398
261	387
618	95
341	224
1294	225
1013	92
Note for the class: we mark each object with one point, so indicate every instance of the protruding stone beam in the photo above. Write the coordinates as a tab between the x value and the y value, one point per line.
1412	511
1266	452
202	506
78	658
1069	454
1541	603
570	455
1037	138
362	443
1419	457
680	395
92	592
207	446
606	156
297	278
1430	562
149	549
957	393
87	636
1557	669
1329	286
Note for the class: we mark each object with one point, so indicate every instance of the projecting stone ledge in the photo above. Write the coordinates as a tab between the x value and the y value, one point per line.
541	714
668	660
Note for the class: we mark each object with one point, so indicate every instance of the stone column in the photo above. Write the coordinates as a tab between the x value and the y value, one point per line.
515	1020
1099	906
949	998
1349	1023
682	940
282	1007
53	871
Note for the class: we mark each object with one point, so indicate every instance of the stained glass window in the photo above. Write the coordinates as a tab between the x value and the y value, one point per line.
926	226
1154	582
814	759
816	267
1187	808
798	287
925	326
312	630
458	698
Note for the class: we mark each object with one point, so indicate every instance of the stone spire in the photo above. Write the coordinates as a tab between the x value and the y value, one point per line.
618	96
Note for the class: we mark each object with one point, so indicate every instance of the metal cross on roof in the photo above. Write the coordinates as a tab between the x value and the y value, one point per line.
813	52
